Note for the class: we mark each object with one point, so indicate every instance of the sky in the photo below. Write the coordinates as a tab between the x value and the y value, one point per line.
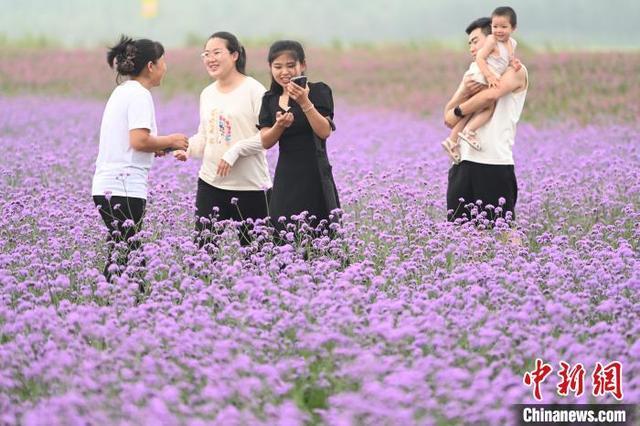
575	24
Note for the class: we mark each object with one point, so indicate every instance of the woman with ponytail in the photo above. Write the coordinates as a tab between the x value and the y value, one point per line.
128	141
234	177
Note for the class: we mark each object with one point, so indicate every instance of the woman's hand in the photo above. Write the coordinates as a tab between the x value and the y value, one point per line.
284	120
180	155
223	168
298	94
179	141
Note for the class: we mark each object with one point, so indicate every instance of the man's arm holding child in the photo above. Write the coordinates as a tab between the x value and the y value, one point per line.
465	90
511	81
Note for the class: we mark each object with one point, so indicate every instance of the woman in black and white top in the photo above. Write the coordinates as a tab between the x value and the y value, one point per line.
128	141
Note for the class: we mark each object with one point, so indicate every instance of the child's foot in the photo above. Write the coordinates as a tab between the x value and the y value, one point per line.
453	149
470	137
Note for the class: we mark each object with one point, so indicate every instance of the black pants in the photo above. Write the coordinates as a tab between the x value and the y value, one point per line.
249	205
486	182
123	217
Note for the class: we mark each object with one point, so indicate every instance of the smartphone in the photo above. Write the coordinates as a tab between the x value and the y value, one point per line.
300	80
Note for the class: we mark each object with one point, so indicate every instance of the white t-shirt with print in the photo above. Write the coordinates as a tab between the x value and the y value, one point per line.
120	169
228	131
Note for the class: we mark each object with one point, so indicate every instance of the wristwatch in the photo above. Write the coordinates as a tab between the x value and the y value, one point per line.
458	112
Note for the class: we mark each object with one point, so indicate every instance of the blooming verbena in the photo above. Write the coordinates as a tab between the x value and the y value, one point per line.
396	317
423	86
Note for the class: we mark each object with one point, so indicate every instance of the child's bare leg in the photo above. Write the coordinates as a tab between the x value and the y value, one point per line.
458	128
451	144
478	119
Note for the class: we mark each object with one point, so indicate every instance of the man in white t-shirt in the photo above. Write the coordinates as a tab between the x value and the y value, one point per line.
488	174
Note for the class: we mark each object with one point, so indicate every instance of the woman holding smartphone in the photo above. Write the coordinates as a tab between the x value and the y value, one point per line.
128	141
300	118
234	176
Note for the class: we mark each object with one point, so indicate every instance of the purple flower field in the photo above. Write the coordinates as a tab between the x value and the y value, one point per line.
402	319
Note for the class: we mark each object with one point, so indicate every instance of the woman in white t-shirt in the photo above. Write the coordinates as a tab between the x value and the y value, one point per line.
234	178
128	141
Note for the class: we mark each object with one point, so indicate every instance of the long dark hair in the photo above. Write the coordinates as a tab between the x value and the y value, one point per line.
129	57
290	47
233	45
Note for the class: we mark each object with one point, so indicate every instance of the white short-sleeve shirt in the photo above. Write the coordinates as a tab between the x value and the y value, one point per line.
120	169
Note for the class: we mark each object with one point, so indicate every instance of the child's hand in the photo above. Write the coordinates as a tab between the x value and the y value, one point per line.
493	81
516	64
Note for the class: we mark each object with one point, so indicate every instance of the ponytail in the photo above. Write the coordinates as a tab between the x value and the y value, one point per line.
241	63
233	45
129	57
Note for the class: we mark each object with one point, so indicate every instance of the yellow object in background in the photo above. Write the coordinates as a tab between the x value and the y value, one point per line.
149	8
